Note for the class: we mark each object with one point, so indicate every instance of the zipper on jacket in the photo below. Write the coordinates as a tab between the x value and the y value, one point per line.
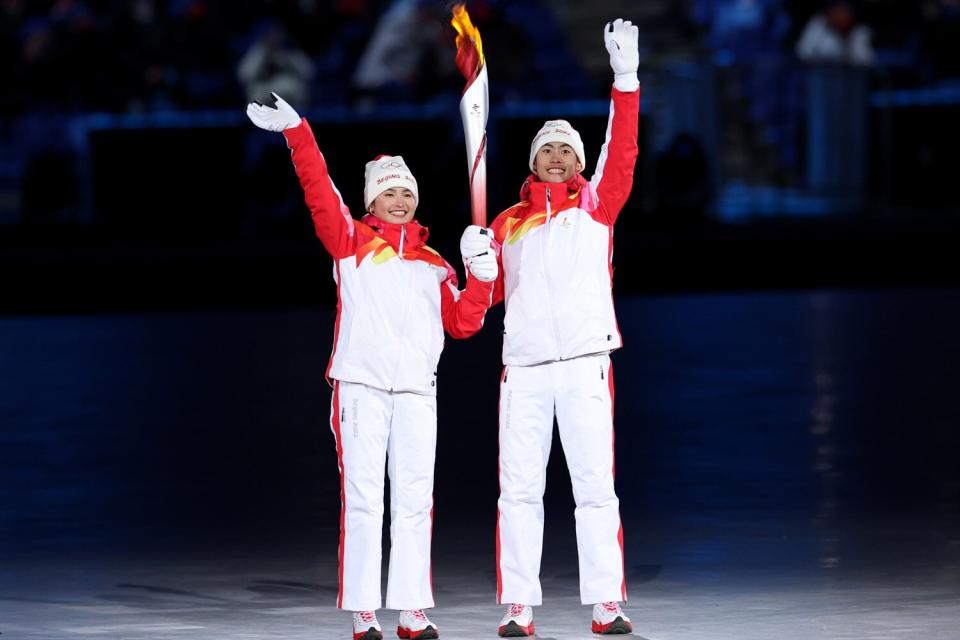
407	297
546	276
549	214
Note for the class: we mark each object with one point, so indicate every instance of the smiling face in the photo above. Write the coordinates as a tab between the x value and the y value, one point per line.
394	205
556	162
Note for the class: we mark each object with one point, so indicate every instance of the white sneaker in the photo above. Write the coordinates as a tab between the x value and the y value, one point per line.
609	618
517	622
365	626
415	624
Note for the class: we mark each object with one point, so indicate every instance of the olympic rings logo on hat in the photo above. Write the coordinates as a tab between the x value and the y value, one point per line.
393	164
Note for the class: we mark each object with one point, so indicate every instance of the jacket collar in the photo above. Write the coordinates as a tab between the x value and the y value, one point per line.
414	234
535	191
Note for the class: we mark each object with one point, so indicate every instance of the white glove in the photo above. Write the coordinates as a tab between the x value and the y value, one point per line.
477	253
474	241
484	267
621	39
276	118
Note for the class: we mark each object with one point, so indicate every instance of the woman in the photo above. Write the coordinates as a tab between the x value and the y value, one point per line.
395	298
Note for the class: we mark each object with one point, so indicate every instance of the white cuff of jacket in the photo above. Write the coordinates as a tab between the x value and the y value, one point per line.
626	82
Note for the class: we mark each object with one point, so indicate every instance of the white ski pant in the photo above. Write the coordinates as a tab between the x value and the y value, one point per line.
579	392
373	429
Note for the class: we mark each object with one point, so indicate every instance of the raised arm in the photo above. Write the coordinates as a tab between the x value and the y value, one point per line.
331	217
613	179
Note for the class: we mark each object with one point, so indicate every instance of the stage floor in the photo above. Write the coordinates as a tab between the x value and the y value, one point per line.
715	578
786	465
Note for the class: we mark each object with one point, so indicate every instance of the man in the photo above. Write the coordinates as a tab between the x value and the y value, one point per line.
556	247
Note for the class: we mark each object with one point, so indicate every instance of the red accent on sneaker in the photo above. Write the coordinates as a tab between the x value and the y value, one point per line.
403	632
596	627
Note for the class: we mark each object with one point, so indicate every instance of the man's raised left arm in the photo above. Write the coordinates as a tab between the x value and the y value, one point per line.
613	178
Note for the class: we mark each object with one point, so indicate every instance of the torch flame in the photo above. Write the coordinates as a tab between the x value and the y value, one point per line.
473	109
466	31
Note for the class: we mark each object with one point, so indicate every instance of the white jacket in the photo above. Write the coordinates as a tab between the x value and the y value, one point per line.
556	253
395	295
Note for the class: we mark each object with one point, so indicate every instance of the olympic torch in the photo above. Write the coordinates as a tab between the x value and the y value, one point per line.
474	105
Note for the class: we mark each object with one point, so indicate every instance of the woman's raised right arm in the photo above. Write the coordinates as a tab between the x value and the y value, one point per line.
331	217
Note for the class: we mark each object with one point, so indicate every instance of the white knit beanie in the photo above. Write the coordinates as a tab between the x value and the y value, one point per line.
557	131
387	172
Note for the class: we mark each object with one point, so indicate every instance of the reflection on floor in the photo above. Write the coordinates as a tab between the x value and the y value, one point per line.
786	467
704	578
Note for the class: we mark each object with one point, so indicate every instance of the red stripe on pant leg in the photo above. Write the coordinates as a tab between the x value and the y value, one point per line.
623	564
335	425
430	552
499	575
613	439
500	485
613	436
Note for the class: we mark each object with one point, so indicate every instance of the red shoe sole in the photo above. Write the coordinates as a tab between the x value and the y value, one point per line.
618	626
423	634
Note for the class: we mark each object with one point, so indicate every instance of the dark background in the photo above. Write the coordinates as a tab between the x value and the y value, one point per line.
166	313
